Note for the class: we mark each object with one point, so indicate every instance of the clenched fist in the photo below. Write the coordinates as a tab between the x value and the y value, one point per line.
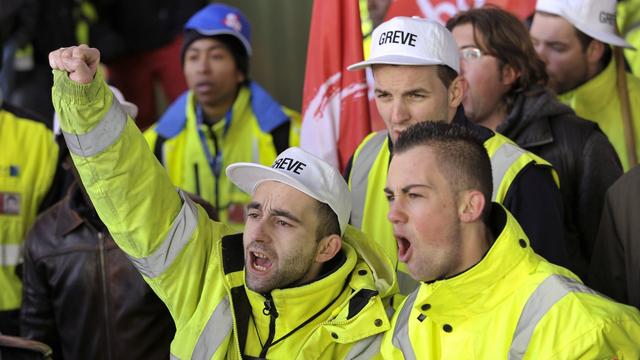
81	62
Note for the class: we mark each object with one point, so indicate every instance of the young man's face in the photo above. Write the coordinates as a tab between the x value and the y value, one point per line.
487	86
423	212
406	95
211	72
280	244
557	44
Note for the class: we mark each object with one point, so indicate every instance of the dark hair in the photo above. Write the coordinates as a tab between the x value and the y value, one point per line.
501	35
233	44
328	223
460	154
446	75
585	40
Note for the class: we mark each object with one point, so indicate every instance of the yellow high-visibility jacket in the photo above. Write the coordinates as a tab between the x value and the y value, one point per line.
598	100
196	267
513	304
27	167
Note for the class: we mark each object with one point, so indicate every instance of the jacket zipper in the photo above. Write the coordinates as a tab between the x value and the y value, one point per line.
269	310
103	278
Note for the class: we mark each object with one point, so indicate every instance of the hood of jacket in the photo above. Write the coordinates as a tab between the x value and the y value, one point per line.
528	120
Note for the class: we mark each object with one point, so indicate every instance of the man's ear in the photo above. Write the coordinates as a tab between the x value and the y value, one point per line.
328	248
456	91
470	206
595	51
509	75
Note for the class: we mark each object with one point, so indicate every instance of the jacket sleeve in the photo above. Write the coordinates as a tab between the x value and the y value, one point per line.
169	239
536	202
37	321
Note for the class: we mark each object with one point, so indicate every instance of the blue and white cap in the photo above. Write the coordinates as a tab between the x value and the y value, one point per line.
221	19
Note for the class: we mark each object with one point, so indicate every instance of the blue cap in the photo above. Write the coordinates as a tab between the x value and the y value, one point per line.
220	19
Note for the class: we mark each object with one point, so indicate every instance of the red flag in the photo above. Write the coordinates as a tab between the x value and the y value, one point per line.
335	107
442	10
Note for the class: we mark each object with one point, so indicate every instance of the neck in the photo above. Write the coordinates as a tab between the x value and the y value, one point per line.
476	241
495	119
213	114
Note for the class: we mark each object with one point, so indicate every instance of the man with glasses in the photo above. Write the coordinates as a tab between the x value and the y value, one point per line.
507	94
415	66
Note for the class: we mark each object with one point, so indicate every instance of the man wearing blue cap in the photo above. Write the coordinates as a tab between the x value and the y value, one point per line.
224	117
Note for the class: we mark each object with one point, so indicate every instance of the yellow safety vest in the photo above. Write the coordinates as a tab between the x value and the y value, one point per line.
27	168
513	304
369	175
242	140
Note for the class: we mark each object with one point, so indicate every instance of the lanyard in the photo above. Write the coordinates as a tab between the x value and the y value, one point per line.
215	163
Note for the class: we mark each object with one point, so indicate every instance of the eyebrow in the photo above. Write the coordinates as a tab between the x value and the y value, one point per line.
408	188
275	212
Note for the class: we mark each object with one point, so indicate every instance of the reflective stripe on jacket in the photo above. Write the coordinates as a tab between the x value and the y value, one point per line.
240	139
513	304
27	167
192	263
369	175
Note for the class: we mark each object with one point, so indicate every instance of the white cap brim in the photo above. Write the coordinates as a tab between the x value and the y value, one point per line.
394	60
557	8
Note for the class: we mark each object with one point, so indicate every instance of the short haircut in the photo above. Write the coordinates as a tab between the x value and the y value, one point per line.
328	223
501	35
446	75
585	40
460	155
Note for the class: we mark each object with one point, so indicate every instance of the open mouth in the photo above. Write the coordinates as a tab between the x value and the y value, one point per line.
404	248
259	261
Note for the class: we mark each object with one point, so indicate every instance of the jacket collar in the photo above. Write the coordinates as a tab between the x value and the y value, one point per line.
467	293
528	121
296	304
75	211
601	89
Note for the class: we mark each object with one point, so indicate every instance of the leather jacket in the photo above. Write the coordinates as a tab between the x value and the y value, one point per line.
82	296
585	160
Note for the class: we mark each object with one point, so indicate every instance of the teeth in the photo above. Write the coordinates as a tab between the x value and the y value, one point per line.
259	255
258	267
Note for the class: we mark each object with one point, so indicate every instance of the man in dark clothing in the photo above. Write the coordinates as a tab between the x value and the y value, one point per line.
615	266
506	94
81	294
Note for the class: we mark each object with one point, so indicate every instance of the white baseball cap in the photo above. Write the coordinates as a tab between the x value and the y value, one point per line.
411	41
302	171
596	18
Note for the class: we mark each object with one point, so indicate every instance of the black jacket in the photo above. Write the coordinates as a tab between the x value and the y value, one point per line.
582	155
533	198
82	296
615	265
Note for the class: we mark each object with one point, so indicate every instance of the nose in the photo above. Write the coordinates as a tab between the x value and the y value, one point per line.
400	112
396	214
542	52
258	230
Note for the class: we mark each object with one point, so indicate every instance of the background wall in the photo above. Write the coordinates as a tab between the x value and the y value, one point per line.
280	32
